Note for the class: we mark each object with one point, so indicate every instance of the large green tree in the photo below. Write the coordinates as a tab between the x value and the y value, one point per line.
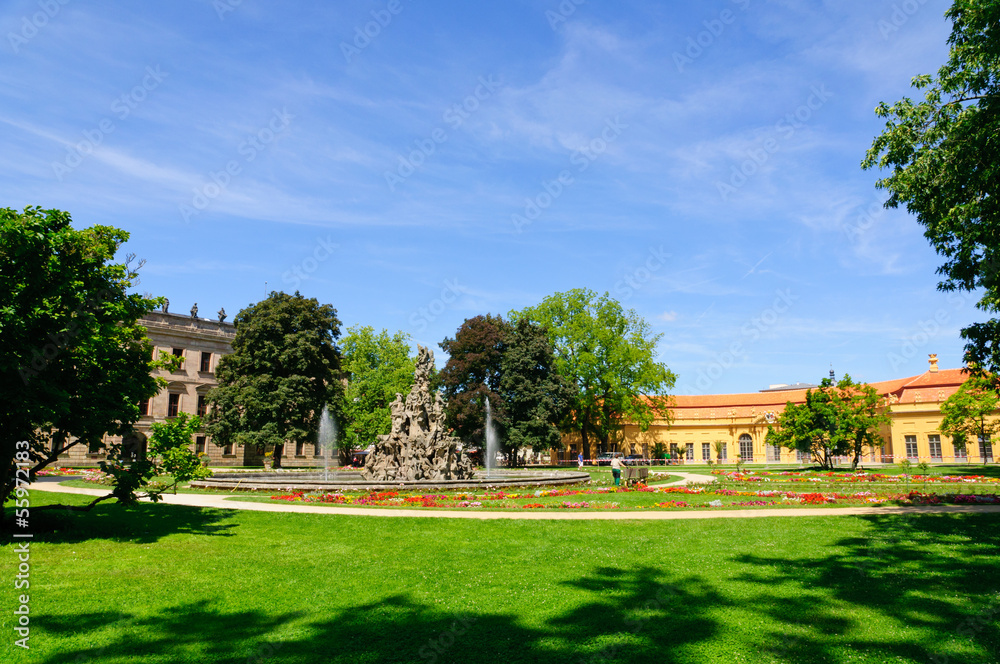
76	361
378	367
284	368
837	419
608	355
971	413
472	375
944	156
535	396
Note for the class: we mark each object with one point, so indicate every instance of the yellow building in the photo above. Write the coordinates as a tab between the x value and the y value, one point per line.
740	422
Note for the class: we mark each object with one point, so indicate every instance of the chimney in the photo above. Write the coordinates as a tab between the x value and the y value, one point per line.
932	360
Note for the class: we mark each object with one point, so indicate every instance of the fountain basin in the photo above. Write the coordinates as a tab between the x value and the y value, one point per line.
352	481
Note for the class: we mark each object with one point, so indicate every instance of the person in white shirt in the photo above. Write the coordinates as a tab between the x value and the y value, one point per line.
616	469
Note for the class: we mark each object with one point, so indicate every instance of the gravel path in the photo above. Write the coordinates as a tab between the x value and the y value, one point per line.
221	502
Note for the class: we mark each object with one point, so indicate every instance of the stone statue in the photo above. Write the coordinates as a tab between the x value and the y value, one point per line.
222	315
418	447
166	305
194	310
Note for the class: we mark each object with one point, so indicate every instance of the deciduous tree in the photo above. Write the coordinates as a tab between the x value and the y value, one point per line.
608	354
970	413
837	419
944	156
378	367
285	366
76	361
170	446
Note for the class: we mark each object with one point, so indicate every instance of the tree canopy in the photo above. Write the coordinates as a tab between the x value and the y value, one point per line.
970	413
378	367
608	355
514	366
944	156
76	361
472	374
837	419
284	368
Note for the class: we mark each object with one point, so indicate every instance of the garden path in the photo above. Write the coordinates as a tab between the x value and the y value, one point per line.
222	502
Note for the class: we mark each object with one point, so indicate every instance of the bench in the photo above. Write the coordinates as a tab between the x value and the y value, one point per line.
634	474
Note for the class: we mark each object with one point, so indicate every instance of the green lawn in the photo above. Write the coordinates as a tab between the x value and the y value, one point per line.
170	584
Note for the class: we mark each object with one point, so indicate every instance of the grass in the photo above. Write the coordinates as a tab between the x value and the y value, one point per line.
161	583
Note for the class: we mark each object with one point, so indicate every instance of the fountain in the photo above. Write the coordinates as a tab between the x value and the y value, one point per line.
417	453
418	447
491	441
327	440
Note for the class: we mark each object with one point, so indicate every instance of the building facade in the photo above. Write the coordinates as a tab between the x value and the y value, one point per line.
200	343
727	426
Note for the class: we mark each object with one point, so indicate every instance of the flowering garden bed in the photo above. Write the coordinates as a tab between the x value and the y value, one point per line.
640	497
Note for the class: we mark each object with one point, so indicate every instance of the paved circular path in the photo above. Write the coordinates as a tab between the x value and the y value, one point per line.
221	502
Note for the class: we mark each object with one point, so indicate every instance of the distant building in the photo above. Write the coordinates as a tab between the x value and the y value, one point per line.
740	421
201	343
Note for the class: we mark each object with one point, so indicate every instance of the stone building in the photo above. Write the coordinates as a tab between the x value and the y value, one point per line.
200	342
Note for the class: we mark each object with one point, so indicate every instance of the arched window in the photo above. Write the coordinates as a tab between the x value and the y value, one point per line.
746	447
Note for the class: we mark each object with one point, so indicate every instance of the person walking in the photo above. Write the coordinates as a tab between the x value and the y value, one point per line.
579	460
616	469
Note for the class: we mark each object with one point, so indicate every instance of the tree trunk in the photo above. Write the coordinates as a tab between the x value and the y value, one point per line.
276	459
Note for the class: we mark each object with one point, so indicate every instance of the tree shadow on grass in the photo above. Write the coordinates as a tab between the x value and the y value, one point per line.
625	615
143	523
911	569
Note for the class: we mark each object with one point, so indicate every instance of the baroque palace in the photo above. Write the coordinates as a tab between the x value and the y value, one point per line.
702	426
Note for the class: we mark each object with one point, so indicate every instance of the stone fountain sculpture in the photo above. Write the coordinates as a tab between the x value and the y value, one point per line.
418	447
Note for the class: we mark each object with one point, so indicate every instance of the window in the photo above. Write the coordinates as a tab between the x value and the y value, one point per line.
801	456
173	405
773	452
199	445
227	450
144	407
206	361
985	449
935	445
911	446
723	452
959	452
299	448
689	452
179	352
706	451
746	447
202	408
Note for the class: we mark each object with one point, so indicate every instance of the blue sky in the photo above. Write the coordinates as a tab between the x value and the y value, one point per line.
418	163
